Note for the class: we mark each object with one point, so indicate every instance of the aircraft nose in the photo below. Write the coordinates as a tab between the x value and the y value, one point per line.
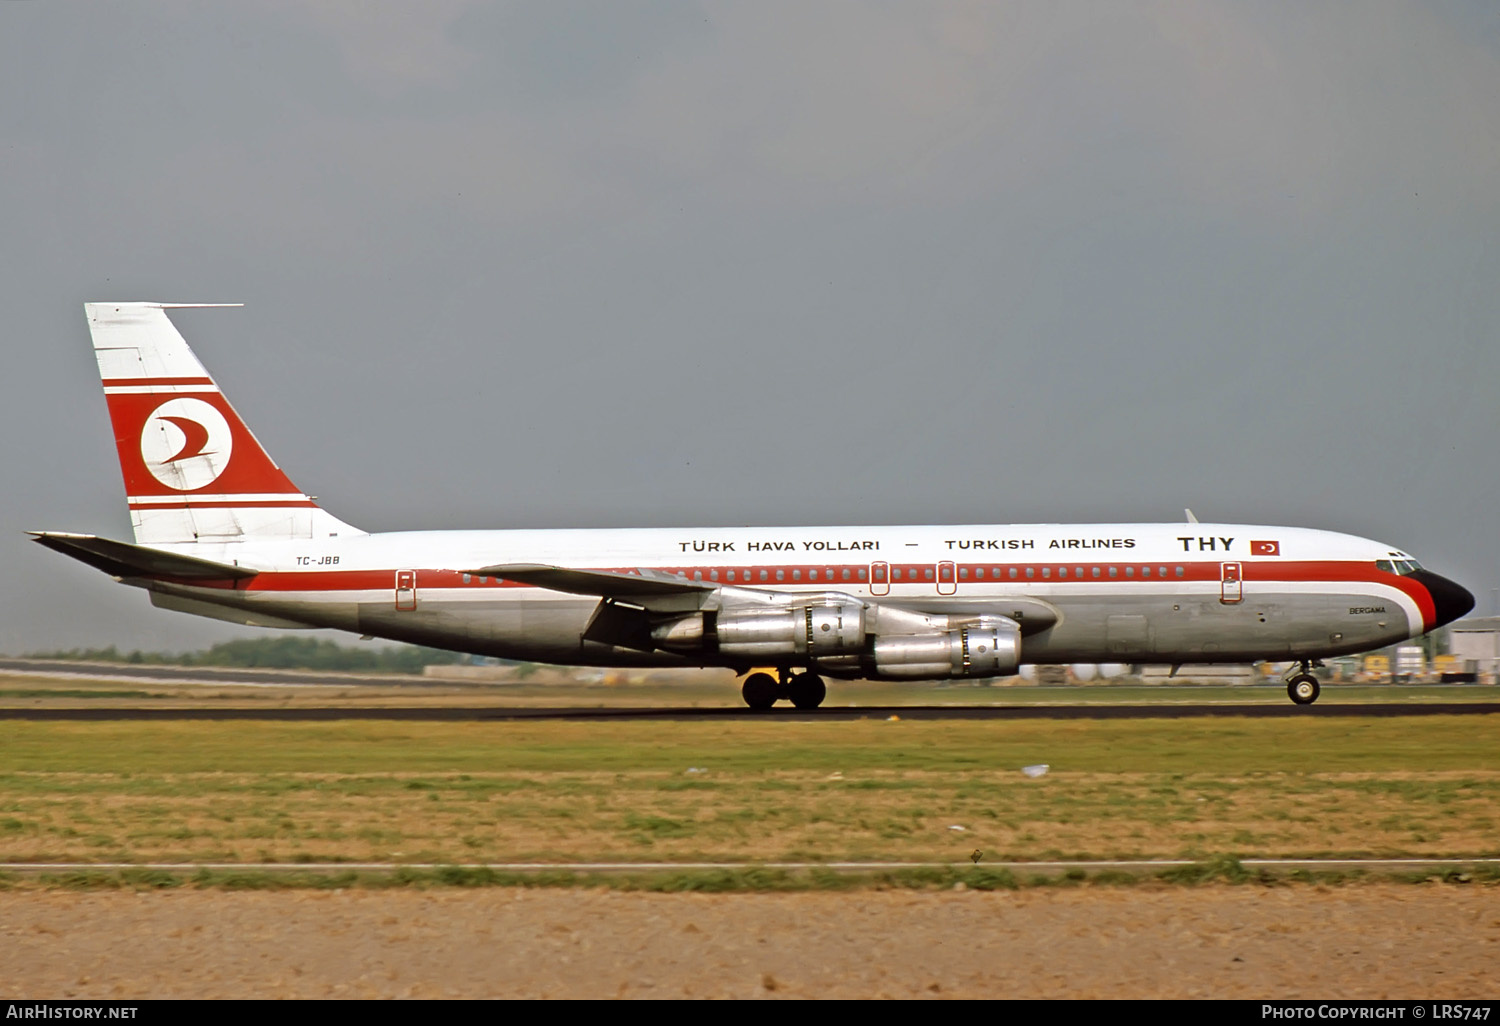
1449	600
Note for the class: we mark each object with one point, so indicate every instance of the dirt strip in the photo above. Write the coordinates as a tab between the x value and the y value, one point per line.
1434	941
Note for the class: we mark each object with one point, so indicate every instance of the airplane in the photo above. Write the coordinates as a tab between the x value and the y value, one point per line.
222	532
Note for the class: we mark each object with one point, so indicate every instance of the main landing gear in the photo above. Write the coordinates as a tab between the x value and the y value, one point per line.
1302	687
804	690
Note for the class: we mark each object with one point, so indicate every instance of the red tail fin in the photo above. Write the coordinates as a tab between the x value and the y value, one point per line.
193	471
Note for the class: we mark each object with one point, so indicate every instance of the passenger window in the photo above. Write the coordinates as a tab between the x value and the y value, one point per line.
781	575
1161	571
1096	571
861	574
1046	571
796	575
1030	572
697	575
1062	571
845	574
763	575
1179	571
731	575
1130	571
466	578
1013	573
1114	571
927	574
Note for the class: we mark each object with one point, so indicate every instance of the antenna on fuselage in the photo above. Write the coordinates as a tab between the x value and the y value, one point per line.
1190	518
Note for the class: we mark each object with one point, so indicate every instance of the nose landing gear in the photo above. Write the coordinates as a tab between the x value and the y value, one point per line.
803	690
1302	687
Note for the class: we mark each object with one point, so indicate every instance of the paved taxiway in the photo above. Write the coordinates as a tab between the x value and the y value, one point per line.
66	670
879	712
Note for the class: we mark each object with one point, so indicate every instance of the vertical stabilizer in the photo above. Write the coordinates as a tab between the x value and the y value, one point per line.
193	471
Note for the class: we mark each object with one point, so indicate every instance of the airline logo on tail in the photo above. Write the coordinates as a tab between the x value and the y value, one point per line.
186	444
189	446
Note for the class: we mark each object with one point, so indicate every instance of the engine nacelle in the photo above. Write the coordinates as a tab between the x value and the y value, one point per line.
812	631
989	647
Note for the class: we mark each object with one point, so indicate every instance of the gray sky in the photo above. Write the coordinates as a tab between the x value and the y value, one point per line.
564	263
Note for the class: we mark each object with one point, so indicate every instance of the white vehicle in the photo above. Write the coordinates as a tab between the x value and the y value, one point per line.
221	531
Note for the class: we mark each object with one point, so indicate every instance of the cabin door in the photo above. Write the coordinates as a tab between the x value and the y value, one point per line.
1229	583
406	590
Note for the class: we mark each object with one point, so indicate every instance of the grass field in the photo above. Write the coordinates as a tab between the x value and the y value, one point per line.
758	789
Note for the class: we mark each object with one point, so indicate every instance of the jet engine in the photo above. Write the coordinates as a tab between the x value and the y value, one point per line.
988	647
813	631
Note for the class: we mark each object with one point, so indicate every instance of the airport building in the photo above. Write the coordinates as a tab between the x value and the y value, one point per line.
1476	643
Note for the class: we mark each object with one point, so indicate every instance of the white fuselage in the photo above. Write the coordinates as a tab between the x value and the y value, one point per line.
1113	592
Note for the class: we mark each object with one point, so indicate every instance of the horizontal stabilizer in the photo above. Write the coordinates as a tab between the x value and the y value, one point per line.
121	559
605	583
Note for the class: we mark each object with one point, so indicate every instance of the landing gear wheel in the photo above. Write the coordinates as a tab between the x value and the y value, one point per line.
1303	689
806	690
759	691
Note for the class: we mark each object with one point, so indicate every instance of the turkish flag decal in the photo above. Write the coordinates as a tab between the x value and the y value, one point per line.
1265	548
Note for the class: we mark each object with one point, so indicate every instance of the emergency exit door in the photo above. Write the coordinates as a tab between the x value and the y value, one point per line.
947	582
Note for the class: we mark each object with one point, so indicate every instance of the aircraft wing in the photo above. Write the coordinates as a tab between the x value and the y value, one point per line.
640	584
121	559
663	593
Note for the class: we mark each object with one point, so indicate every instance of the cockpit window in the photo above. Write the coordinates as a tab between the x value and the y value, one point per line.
1398	566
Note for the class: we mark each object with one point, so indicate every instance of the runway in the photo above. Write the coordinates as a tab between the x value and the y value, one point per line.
841	713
